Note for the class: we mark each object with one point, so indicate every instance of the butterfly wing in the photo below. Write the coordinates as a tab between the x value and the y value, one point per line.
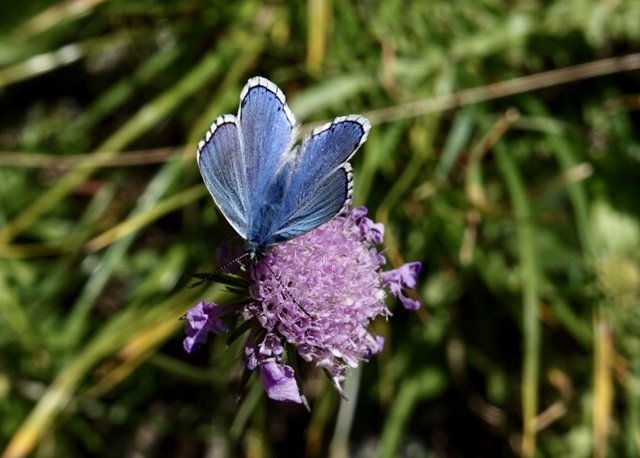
267	133
222	167
321	180
268	191
239	155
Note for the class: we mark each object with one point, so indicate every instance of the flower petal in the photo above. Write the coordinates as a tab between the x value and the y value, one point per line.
404	276
370	231
279	382
202	319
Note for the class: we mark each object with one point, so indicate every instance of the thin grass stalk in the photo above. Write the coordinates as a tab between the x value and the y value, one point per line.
530	299
602	385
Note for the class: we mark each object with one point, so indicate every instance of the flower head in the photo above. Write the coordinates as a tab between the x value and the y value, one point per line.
316	294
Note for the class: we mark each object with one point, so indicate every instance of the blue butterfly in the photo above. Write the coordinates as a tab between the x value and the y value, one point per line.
269	189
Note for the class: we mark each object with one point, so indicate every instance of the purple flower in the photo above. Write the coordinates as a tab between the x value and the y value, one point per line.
279	382
404	277
202	319
317	294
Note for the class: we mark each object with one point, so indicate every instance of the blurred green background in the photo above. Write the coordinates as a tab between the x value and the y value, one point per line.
504	155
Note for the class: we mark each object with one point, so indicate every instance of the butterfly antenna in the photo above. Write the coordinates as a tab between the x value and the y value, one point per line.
211	276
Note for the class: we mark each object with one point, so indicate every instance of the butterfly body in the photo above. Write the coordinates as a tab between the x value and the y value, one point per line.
269	189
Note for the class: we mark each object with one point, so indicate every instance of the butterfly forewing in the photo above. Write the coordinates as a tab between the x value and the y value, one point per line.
328	148
223	171
267	133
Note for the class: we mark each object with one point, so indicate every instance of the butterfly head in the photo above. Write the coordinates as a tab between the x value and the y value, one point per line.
254	251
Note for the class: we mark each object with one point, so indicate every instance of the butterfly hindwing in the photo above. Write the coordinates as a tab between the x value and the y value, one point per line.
330	197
